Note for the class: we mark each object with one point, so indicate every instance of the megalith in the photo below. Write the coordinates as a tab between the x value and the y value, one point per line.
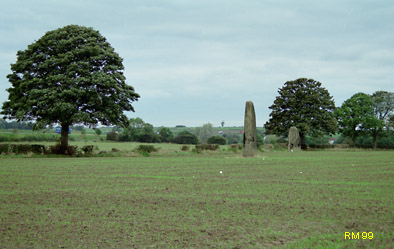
294	139
250	141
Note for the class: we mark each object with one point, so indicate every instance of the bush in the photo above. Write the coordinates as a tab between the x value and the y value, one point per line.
185	137
20	148
234	147
146	148
273	139
386	141
259	140
201	147
233	138
38	149
4	148
112	136
217	140
88	149
185	148
60	150
280	146
312	142
147	138
268	146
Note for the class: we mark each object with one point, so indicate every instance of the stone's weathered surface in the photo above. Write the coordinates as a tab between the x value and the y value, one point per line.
294	139
250	141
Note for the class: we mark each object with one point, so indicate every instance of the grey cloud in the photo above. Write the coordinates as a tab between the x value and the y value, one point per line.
201	60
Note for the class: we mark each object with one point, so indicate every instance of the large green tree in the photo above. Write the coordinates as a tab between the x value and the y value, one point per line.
356	116
70	75
305	104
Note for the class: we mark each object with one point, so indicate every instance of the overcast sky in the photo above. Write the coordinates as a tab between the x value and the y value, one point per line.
195	62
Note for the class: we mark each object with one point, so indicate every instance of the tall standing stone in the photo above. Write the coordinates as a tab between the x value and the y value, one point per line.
250	141
294	139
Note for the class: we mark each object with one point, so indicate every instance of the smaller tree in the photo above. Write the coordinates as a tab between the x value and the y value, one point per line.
165	134
139	131
222	123
98	132
383	106
204	132
356	116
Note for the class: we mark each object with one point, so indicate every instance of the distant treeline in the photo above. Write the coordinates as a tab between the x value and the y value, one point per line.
15	125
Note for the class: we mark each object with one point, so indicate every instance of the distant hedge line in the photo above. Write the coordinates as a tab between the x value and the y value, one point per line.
40	149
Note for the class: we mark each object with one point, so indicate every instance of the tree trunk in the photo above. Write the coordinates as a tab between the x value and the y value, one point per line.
354	138
375	140
303	143
64	136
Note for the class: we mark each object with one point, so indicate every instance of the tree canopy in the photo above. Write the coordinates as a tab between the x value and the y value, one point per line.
305	104
356	116
70	75
139	131
204	132
383	105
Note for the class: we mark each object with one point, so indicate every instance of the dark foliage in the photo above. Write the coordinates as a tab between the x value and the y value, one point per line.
38	149
15	125
217	140
165	134
185	137
139	131
58	149
112	136
146	148
70	75
233	138
201	147
88	149
305	104
185	147
4	148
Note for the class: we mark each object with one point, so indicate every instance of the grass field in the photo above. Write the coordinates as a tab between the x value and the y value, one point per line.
185	202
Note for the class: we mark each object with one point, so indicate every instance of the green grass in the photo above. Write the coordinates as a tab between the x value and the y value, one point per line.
184	202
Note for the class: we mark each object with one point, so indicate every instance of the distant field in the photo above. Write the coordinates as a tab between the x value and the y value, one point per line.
279	199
